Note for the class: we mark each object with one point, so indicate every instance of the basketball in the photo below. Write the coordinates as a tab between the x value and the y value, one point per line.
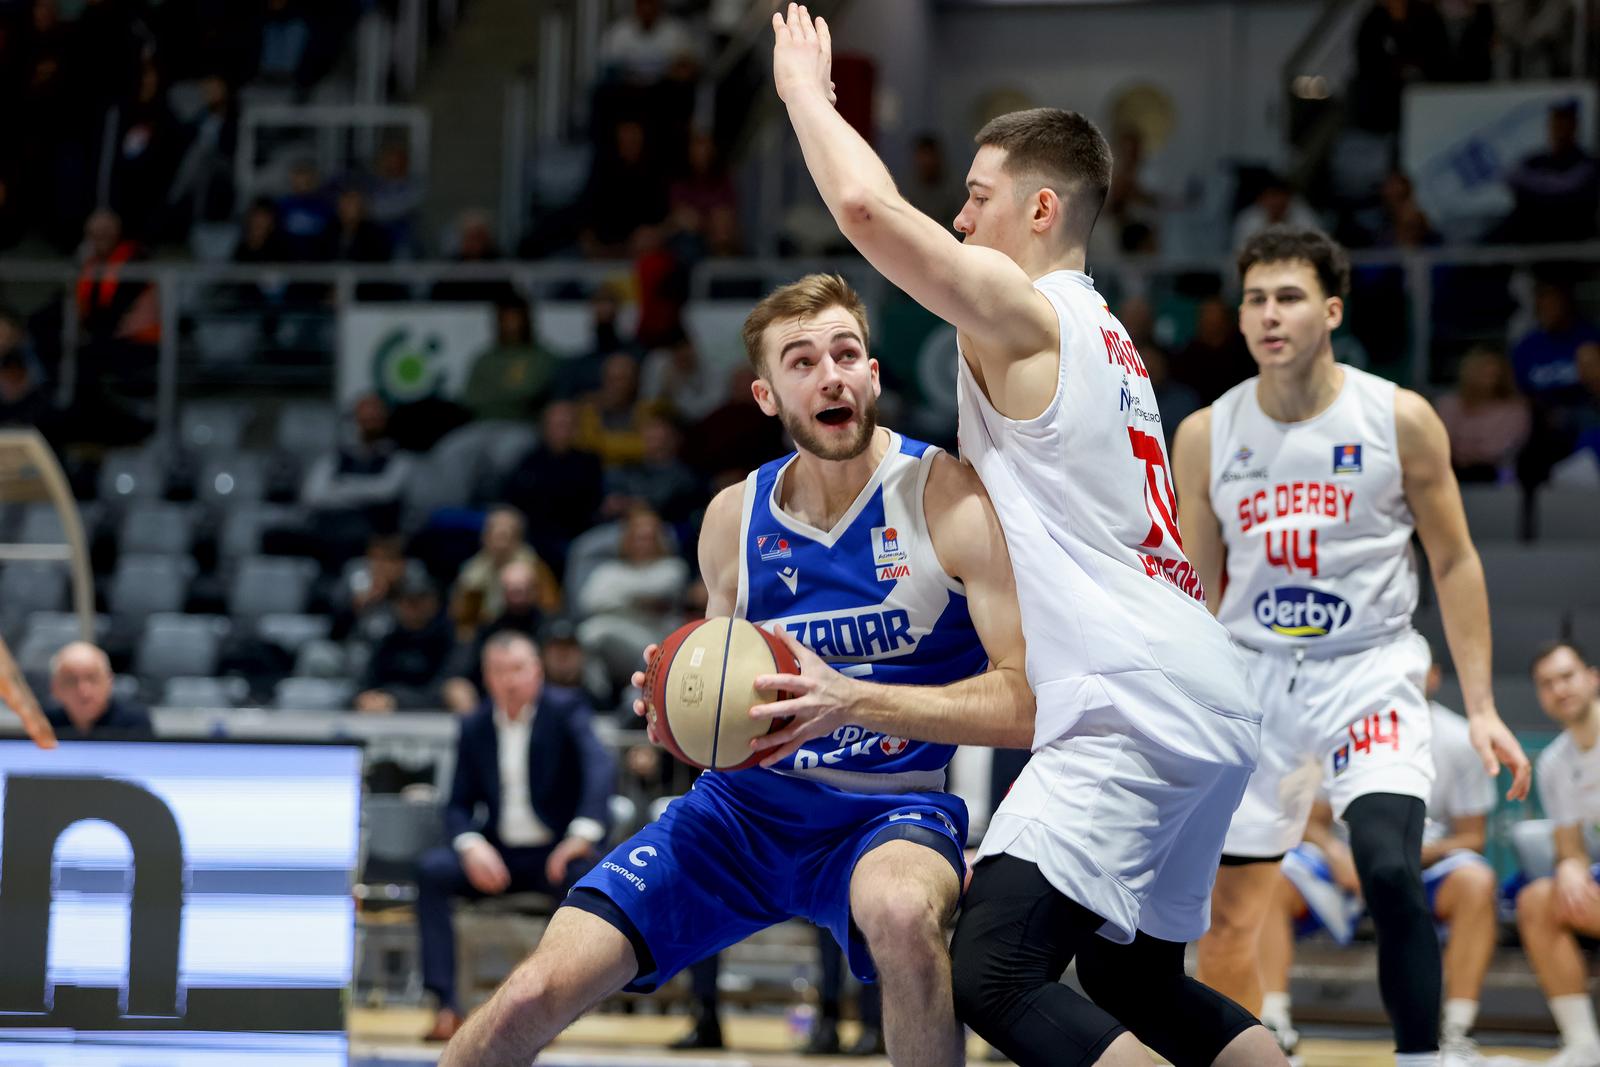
701	686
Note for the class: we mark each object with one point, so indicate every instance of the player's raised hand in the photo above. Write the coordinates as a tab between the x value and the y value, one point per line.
802	54
1497	745
821	701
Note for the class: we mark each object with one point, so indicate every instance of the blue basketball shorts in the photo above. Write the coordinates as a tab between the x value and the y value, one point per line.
745	850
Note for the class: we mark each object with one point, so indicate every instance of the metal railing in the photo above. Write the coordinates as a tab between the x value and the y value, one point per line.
182	285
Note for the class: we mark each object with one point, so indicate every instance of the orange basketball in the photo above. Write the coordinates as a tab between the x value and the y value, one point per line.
700	688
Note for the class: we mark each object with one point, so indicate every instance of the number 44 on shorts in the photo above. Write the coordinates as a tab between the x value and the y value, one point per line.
1379	728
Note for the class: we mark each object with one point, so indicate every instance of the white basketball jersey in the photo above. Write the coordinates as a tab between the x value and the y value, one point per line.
1113	613
1315	520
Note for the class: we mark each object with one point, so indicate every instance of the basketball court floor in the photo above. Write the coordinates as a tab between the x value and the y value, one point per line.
387	1039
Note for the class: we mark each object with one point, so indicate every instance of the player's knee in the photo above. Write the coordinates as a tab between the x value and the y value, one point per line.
1392	887
1473	888
1234	932
1533	902
901	925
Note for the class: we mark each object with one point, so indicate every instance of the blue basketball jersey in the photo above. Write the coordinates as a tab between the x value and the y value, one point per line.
870	598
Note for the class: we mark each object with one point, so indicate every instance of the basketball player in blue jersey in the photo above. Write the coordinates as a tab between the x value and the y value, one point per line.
882	556
1105	849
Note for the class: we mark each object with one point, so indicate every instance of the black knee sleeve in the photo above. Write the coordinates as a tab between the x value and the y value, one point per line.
1015	937
1143	984
1386	841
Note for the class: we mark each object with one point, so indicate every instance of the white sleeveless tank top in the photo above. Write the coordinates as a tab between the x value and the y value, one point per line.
1315	520
1113	613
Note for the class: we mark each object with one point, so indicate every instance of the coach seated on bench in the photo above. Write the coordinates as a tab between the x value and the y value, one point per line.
83	706
529	757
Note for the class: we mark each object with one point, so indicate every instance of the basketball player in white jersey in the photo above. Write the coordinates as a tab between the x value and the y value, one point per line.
1300	489
1105	848
1320	886
1552	913
885	554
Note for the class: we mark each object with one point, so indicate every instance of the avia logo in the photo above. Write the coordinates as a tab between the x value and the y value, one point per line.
894	572
790	576
1295	611
1347	459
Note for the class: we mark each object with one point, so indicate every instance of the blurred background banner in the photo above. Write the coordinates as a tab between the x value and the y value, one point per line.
410	352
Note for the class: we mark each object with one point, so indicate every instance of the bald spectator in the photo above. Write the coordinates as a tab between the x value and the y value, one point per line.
83	706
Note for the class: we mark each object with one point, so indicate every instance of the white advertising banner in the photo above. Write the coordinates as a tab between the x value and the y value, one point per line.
1459	143
408	352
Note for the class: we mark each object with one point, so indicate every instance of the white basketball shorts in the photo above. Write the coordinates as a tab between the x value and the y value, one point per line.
1356	724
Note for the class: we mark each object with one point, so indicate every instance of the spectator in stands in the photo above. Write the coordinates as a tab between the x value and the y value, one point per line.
23	400
1399	42
566	664
285	36
305	217
363	601
353	237
626	189
644	47
518	586
355	491
704	190
408	665
475	244
676	379
1488	421
83	706
512	378
120	321
1469	30
203	185
260	239
1215	359
736	437
633	600
1556	191
1275	204
1581	469
1552	913
1545	358
558	483
528	758
660	480
476	599
1132	209
148	147
611	419
394	197
930	187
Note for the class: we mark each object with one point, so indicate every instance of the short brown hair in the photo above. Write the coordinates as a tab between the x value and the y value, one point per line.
1287	244
1060	150
810	295
1550	648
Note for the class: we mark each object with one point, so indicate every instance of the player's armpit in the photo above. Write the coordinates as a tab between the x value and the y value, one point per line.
719	550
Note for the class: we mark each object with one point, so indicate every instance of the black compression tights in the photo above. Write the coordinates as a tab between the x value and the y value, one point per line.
1386	841
1015	937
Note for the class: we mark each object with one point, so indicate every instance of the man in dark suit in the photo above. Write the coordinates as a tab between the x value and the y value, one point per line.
83	708
530	758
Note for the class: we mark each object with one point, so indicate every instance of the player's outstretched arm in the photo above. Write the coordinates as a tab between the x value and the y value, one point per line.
994	708
19	698
1197	521
979	291
1435	501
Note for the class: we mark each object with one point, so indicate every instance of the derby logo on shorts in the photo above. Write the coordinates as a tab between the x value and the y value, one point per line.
1295	611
